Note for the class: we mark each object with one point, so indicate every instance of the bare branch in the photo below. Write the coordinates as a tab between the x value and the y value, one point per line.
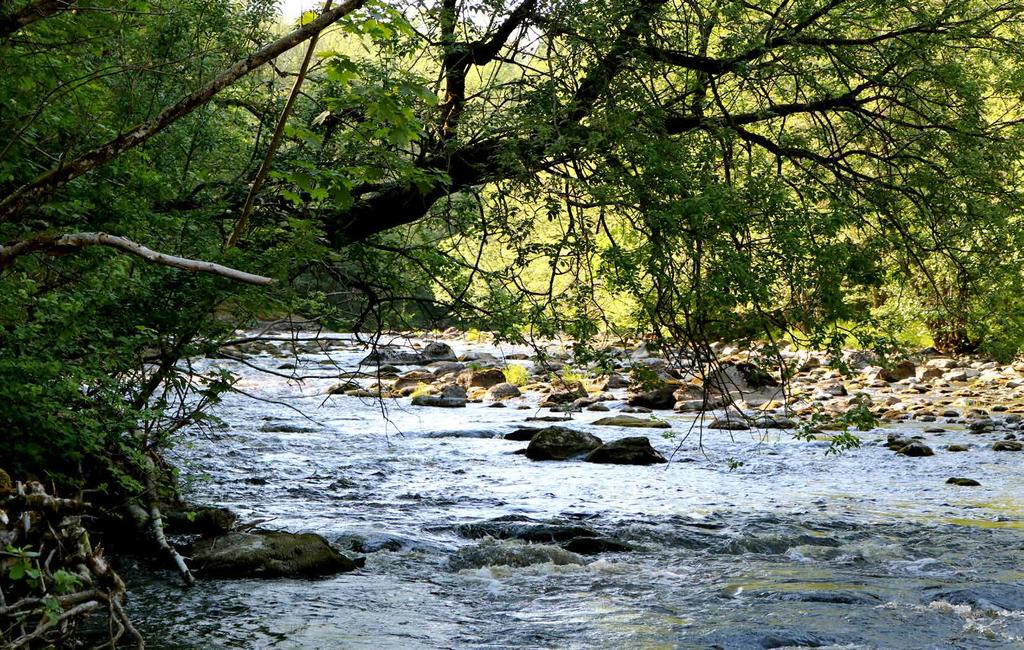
60	244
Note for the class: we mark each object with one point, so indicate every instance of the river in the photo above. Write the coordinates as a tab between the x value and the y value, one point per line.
790	548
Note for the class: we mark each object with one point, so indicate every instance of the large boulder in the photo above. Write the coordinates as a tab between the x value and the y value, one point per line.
502	391
268	554
627	451
411	380
452	396
630	421
485	378
559	443
904	369
1008	445
395	355
739	379
565	392
662	398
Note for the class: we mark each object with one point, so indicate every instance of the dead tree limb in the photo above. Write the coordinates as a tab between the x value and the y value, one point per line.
66	243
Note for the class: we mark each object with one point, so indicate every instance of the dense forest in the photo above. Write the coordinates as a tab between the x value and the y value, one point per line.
826	173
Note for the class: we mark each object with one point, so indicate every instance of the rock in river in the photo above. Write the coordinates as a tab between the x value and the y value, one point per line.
207	521
730	424
523	434
1008	445
916	449
511	554
627	451
659	398
630	421
962	481
268	554
452	396
502	391
485	378
398	356
559	443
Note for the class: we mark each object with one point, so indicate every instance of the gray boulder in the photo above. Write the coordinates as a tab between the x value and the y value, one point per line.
268	554
627	451
559	443
452	396
662	398
730	424
481	378
400	356
630	421
502	391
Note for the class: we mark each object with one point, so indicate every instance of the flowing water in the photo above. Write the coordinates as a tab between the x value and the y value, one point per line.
791	548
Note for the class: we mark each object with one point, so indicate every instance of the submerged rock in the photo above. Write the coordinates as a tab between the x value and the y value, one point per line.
627	451
524	434
595	545
525	530
961	481
729	424
510	554
559	443
268	554
915	449
630	421
986	597
1008	445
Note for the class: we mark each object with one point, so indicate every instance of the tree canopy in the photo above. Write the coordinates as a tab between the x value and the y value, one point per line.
692	170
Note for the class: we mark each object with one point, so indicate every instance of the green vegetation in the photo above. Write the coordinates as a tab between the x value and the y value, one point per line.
820	173
516	374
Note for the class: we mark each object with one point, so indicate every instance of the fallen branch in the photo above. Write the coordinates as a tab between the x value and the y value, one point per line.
62	244
61	580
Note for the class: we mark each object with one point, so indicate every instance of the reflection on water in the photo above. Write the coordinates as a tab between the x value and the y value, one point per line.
869	550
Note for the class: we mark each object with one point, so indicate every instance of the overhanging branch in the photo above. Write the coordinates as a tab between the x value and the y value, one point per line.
55	244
